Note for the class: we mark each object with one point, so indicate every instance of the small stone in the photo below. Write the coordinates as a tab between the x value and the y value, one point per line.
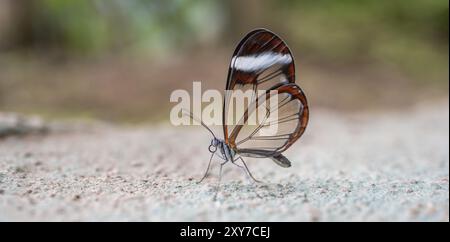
305	199
314	214
19	169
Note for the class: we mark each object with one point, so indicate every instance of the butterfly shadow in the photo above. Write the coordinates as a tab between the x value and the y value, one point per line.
260	190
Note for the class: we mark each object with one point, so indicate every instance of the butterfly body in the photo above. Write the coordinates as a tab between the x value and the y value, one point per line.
227	153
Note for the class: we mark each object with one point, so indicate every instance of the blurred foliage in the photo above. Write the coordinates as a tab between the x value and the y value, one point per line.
410	34
397	32
101	26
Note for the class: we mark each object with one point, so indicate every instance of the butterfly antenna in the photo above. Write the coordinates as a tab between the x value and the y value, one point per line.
191	115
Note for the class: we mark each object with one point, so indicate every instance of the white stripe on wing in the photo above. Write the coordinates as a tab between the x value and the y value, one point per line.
260	61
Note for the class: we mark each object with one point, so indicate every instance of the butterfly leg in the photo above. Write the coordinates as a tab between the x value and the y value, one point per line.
249	176
207	169
220	179
246	169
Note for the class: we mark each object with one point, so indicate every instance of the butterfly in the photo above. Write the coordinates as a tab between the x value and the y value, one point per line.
261	61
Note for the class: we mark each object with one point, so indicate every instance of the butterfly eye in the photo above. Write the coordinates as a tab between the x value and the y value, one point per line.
212	148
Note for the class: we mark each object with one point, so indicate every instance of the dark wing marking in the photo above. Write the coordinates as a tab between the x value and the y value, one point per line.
281	160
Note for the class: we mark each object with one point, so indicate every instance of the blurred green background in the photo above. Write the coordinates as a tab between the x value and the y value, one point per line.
119	60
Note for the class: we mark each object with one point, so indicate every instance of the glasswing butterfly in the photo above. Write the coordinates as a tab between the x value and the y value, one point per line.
261	61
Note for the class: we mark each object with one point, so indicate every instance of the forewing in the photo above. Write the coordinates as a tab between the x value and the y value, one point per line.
261	61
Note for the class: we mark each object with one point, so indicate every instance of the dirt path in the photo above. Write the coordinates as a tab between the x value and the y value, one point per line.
389	166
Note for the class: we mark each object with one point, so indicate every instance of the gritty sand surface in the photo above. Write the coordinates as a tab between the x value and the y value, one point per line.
360	167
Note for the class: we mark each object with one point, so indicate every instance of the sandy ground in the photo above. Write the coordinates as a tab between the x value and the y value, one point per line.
360	167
